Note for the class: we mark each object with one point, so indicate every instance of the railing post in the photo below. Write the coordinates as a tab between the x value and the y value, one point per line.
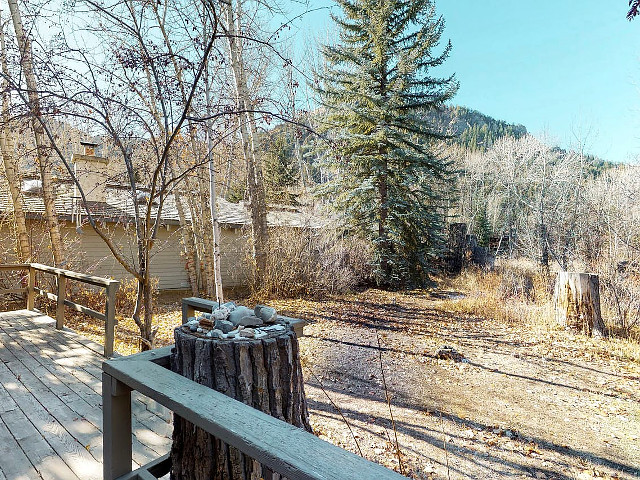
62	292
110	321
116	423
31	285
187	311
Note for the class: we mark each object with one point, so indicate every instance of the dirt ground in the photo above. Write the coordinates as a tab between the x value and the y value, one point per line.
527	401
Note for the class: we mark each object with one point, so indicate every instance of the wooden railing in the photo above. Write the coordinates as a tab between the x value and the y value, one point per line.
281	447
30	291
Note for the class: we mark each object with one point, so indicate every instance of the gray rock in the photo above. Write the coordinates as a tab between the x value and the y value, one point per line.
267	314
193	324
250	321
248	333
231	306
238	314
225	326
232	333
221	313
200	330
215	333
190	319
207	316
274	328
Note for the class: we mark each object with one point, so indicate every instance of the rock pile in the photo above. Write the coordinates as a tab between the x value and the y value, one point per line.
236	322
450	353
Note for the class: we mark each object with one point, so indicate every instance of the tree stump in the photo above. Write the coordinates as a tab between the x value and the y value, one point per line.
263	373
576	302
456	244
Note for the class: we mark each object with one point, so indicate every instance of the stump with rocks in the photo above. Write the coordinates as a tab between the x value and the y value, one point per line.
249	356
577	302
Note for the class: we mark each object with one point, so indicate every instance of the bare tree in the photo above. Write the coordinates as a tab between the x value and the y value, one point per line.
232	15
7	135
44	162
531	190
101	90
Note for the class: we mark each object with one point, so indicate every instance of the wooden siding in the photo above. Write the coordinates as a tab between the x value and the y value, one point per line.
87	253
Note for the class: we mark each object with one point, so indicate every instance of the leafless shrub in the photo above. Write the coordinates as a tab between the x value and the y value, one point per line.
314	262
621	301
516	282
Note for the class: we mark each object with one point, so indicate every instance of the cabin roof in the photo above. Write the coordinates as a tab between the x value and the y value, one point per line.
119	207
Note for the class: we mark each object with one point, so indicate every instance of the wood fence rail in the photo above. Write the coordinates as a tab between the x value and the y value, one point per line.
283	448
110	286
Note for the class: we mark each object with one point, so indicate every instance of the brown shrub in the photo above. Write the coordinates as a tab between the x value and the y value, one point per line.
620	302
515	291
312	262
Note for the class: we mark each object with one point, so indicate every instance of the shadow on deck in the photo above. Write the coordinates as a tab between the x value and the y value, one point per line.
51	404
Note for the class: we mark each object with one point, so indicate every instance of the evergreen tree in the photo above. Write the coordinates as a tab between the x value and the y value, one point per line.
376	88
483	227
281	170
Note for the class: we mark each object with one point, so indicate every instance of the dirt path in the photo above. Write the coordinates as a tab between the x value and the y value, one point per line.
527	402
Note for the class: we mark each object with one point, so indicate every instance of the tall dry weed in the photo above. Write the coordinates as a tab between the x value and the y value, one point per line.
312	262
514	291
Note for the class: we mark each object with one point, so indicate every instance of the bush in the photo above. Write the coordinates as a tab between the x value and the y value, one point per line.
313	262
514	291
620	295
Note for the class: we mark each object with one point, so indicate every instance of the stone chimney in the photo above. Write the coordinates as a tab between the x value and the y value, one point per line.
91	172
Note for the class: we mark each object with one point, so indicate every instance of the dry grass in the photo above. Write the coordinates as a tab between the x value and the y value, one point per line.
517	293
514	294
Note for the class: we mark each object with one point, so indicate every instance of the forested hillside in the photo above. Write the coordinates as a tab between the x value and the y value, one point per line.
474	130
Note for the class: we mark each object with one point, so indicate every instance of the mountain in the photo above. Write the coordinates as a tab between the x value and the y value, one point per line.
474	130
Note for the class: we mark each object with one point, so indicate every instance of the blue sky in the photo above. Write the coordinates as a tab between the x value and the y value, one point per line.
565	69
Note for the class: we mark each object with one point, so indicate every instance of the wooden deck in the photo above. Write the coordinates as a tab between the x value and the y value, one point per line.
51	404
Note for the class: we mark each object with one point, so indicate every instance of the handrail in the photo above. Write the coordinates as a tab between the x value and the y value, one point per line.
110	286
82	277
290	451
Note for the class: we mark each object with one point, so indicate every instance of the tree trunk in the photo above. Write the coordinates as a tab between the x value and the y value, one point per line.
265	374
250	143
213	210
186	232
205	231
44	161
23	248
456	246
577	302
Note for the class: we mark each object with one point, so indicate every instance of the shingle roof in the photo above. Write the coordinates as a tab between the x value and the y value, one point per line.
120	207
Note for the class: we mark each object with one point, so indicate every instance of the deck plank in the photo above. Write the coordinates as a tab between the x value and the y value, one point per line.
152	429
50	404
14	464
39	403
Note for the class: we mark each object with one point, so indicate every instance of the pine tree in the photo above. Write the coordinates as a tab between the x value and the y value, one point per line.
483	227
281	170
376	88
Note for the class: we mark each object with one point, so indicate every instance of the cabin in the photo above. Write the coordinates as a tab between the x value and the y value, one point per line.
113	205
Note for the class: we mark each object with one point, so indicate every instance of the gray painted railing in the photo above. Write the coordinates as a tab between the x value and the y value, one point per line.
110	286
283	448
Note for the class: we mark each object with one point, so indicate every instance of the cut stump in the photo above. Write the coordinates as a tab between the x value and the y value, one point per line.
265	374
577	302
